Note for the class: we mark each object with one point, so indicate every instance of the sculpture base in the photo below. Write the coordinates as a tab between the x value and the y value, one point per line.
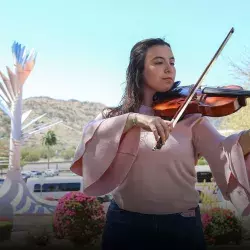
14	192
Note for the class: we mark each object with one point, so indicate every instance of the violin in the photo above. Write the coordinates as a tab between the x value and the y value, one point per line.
214	102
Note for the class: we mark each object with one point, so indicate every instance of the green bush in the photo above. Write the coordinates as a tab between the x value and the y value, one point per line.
68	154
5	230
4	165
24	153
44	153
202	161
34	154
29	154
22	162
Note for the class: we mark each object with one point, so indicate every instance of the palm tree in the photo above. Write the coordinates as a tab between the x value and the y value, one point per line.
49	140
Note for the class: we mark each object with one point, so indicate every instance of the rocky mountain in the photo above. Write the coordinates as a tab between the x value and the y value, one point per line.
73	114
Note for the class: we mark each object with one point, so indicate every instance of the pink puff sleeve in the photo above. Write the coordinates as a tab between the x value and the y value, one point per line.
231	170
105	155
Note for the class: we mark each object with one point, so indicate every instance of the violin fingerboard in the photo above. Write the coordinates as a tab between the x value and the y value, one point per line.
226	92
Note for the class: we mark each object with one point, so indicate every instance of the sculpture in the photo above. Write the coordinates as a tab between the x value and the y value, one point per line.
14	189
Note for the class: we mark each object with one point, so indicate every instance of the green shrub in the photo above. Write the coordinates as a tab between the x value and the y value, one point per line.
44	153
5	230
3	166
68	154
22	162
24	153
202	161
30	154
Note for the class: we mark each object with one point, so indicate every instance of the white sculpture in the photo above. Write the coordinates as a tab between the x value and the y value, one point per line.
14	189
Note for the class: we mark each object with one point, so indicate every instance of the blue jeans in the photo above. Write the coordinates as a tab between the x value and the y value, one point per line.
126	230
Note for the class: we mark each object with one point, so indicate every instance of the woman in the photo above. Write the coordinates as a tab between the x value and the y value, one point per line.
155	203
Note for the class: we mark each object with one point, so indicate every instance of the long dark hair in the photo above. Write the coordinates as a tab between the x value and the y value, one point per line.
133	94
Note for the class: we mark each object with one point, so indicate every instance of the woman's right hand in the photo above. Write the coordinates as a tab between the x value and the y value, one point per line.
161	128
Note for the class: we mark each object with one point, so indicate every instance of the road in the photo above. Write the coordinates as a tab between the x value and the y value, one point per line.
62	166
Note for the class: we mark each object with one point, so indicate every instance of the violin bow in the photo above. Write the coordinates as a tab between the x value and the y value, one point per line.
188	99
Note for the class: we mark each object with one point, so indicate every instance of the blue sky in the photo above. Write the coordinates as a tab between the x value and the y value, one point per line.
83	46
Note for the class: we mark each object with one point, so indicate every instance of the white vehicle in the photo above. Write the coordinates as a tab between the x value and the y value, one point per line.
36	173
49	172
54	187
203	172
26	173
1	181
56	172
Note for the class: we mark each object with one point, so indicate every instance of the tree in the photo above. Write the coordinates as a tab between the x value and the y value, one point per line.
240	119
241	70
49	140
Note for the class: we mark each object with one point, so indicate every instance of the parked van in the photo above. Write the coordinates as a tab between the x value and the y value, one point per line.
54	187
203	173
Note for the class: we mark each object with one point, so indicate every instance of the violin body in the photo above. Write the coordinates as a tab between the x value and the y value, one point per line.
213	102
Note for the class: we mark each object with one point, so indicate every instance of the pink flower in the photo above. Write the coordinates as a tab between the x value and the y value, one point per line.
206	219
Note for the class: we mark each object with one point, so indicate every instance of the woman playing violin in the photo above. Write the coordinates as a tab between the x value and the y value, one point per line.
155	204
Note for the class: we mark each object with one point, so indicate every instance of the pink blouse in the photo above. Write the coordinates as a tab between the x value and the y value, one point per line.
161	181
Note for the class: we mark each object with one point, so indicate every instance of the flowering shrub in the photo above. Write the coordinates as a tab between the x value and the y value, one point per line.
79	218
221	226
